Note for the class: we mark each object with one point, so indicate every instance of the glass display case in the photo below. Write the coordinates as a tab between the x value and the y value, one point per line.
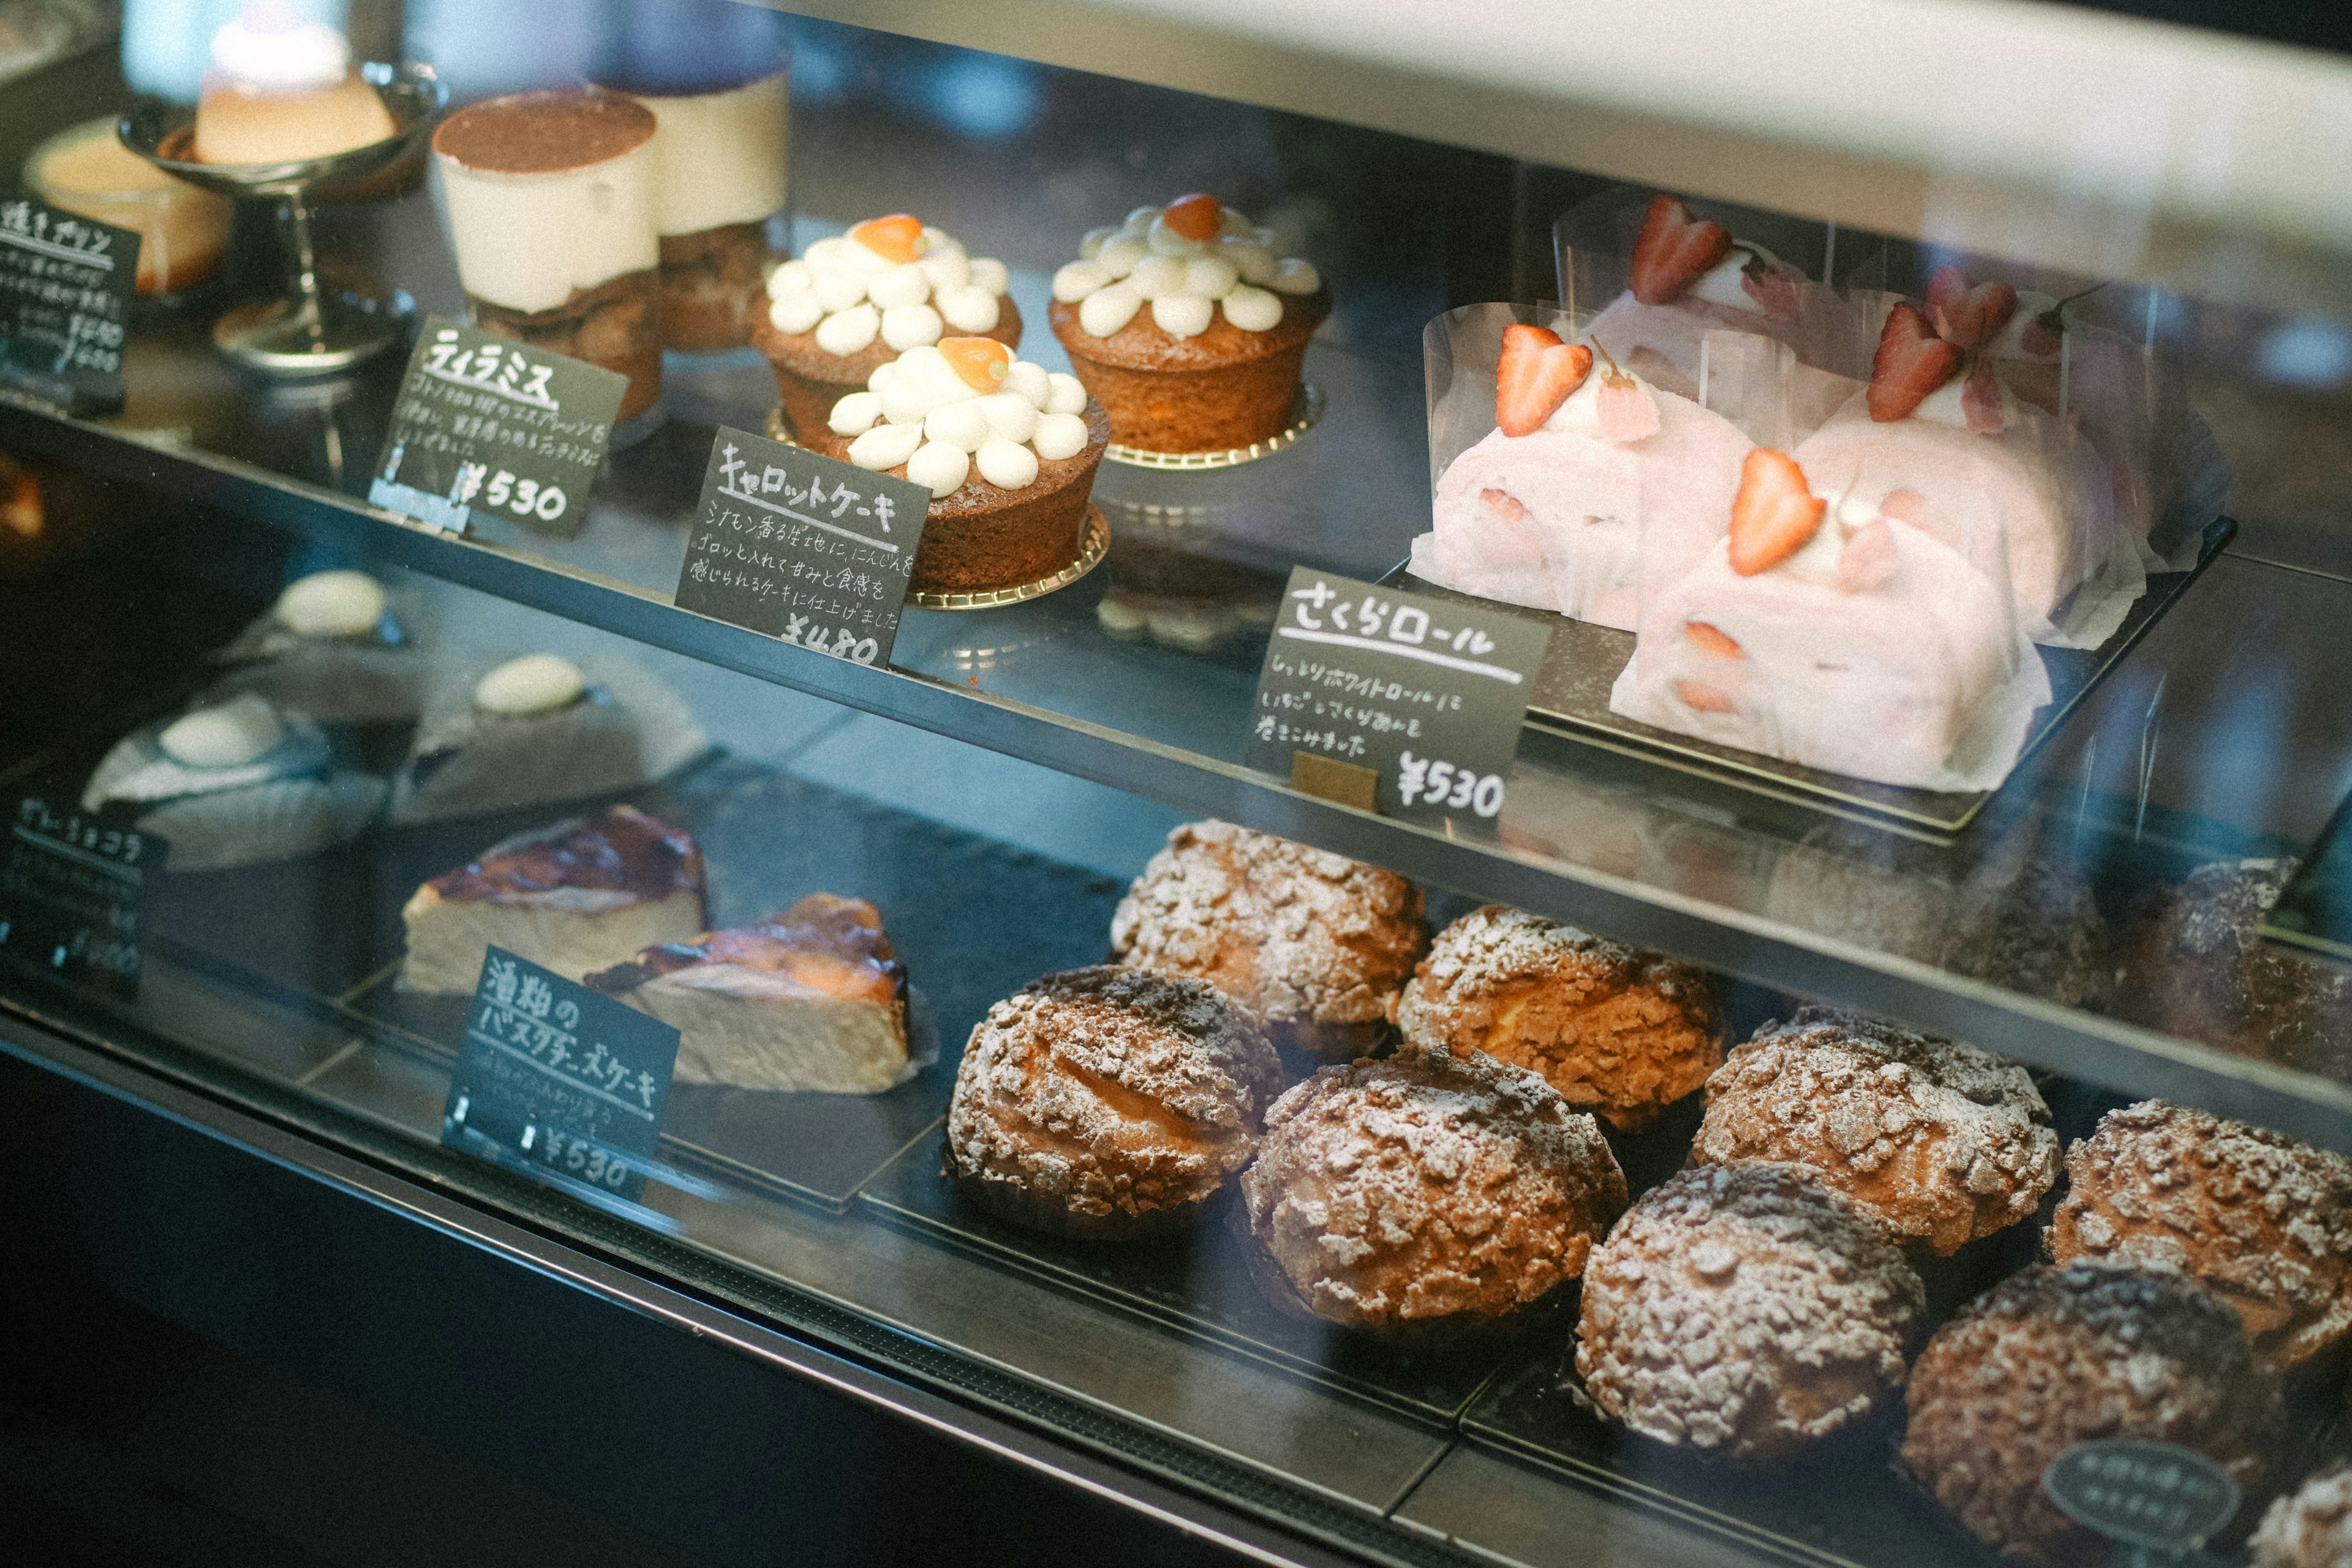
1886	1036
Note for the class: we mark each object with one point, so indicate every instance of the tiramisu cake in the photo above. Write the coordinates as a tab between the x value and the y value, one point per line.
1007	450
1549	509
579	896
551	202
1837	634
719	155
810	998
850	305
1190	326
1939	441
281	90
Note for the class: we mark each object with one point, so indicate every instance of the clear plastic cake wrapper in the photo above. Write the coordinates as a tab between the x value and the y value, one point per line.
1655	276
1548	519
2097	357
626	729
290	800
1836	625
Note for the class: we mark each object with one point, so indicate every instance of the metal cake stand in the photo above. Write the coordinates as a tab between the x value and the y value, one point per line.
313	331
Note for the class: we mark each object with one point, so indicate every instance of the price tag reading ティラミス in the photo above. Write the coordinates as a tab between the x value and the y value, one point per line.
65	306
559	1079
1420	698
487	427
71	890
805	548
2145	1494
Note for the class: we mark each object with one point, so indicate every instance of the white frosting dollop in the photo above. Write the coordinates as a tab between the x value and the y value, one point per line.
228	736
331	604
1143	261
1945	405
1724	283
273	47
535	683
849	295
2009	341
918	411
1581	414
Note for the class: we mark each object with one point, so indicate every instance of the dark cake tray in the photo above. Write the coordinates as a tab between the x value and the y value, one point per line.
1571	696
1200	1283
322	935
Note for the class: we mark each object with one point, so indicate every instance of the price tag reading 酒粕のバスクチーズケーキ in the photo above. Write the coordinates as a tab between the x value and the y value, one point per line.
65	306
560	1080
809	549
486	428
71	886
1393	701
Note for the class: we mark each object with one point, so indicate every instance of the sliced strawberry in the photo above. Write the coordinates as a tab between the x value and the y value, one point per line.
981	362
1674	251
1981	400
1774	291
1701	698
1710	639
1197	217
893	239
1911	362
1536	374
1968	316
1774	512
1867	557
1506	505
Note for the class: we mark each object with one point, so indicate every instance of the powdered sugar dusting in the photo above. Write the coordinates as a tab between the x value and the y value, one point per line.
2194	966
1617	1030
1946	1141
2262	1220
1109	1095
1745	1310
2312	1528
1306	938
2053	1356
1399	1192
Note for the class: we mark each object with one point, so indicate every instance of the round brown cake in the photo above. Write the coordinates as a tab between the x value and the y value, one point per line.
1109	1102
2262	1221
809	381
1398	1197
2194	966
2312	1528
981	539
1223	389
2054	1356
1313	942
1946	1142
1746	1313
1620	1032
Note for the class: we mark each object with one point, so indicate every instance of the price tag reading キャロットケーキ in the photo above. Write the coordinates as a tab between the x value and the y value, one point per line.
486	426
1415	700
559	1079
805	548
71	890
2154	1495
65	306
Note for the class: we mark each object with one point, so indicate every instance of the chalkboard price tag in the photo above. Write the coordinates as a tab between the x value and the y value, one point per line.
808	549
486	426
1426	695
71	886
65	306
2154	1495
560	1080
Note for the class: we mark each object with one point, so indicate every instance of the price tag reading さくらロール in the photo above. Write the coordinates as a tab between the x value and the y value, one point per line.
65	306
2158	1495
805	548
486	429
560	1080
71	890
1414	701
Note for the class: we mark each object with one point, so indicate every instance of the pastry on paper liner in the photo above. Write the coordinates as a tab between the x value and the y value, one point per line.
319	652
624	729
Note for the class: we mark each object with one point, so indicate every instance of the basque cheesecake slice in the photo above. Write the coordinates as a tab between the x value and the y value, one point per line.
812	998
581	895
